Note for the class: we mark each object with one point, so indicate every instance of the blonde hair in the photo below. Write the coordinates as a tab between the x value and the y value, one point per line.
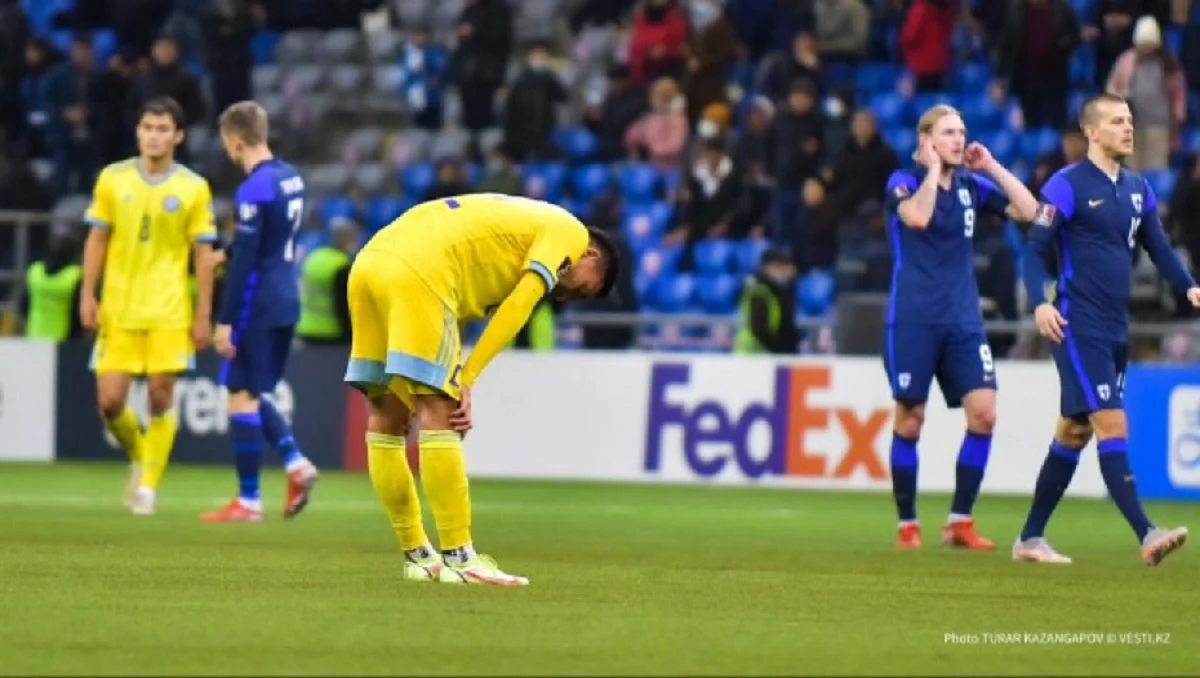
246	120
929	119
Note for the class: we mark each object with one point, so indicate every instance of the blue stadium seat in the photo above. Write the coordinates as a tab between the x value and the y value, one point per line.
670	179
717	294
417	178
308	240
643	285
903	141
1002	143
382	210
1191	140
578	143
749	255
1083	68
544	181
922	103
890	108
877	77
980	113
582	209
1162	182
713	257
589	181
338	206
475	173
1074	103
104	45
646	221
655	261
638	182
674	293
1033	143
262	47
815	292
971	78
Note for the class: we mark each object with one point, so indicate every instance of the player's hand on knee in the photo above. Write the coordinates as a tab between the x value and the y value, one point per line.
223	342
1193	296
460	419
1050	322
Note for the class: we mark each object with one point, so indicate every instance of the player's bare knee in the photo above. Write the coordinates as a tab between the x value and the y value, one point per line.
111	395
982	420
160	394
434	412
909	419
242	402
1110	424
388	416
1073	432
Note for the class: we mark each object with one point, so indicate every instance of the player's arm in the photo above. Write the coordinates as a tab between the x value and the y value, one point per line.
510	317
913	203
1154	239
202	229
99	217
1007	196
247	238
1057	206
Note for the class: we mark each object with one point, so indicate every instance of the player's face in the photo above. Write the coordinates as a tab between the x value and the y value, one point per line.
581	281
233	147
158	136
1113	129
949	136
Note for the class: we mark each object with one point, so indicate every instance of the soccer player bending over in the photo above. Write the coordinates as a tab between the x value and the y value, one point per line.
147	214
258	314
934	328
1092	216
444	262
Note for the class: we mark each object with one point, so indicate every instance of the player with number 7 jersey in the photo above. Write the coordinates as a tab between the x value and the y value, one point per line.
259	312
934	328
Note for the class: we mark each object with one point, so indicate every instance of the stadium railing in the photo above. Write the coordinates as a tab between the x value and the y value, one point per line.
16	230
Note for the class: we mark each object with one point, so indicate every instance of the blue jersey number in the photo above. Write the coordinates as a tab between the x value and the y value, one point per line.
295	210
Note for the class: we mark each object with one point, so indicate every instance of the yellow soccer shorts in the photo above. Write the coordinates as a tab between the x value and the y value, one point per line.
404	337
142	352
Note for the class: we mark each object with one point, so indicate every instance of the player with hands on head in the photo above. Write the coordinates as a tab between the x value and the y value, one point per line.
1092	217
934	328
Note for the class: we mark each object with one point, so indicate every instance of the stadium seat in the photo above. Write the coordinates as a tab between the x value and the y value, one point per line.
876	77
413	12
1074	103
748	255
297	47
582	209
328	179
922	103
1002	143
589	181
338	46
265	79
713	257
474	172
383	209
387	80
308	240
384	45
262	47
980	113
675	293
903	141
411	146
815	292
643	286
971	78
346	80
338	206
670	179
489	140
1033	143
578	143
303	79
718	294
417	178
890	108
1162	182
372	178
645	223
450	143
544	181
363	145
639	183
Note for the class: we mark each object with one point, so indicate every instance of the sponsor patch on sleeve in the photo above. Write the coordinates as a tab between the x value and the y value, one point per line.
900	191
1045	215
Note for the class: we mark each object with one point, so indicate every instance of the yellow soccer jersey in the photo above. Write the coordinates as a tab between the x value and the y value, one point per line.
153	225
473	249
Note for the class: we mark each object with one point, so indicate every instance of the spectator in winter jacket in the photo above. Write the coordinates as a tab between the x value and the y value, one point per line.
843	29
1033	53
167	77
925	41
656	48
531	108
485	37
623	105
1151	79
863	167
661	135
713	47
796	135
779	70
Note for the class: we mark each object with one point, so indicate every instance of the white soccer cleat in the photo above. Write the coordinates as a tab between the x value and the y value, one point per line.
131	487
143	502
1037	550
480	570
427	569
1160	543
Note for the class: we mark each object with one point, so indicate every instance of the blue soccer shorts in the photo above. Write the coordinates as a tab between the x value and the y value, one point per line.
958	356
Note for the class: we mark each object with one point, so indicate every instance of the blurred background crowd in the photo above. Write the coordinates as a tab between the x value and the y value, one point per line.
704	133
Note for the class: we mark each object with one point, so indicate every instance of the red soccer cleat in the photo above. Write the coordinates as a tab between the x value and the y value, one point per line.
301	481
235	512
909	536
962	534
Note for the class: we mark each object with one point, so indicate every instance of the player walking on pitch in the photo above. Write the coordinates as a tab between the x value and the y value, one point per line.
146	214
933	325
1092	216
441	263
259	312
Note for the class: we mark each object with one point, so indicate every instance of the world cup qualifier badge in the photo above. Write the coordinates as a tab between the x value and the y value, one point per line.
171	203
1044	215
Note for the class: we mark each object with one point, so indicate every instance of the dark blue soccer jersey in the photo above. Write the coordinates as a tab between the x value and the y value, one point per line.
1087	228
933	270
261	287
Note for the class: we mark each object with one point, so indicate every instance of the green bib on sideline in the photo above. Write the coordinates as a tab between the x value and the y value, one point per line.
745	341
318	313
50	297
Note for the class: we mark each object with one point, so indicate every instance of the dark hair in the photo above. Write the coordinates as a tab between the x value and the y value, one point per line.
612	260
1087	111
163	106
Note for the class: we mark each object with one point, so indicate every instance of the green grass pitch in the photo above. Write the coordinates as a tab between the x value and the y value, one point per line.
625	580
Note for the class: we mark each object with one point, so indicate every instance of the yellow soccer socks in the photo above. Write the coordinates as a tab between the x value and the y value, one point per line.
157	443
444	475
128	432
387	463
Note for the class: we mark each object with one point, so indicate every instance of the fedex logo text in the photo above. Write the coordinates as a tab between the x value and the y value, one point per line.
806	439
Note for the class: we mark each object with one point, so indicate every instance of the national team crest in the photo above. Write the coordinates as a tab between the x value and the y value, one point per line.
171	203
1103	391
964	196
1137	202
904	380
900	191
1044	215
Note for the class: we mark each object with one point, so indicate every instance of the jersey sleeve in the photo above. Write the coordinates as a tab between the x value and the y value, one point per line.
559	245
202	224
1154	240
992	200
900	187
244	255
1055	209
100	212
